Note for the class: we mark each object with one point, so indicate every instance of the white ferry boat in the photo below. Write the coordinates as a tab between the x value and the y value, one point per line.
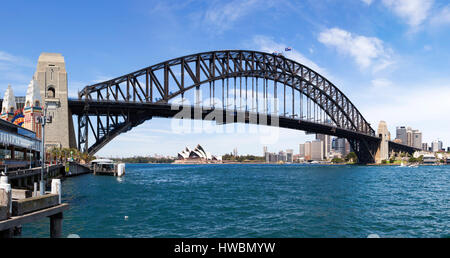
107	167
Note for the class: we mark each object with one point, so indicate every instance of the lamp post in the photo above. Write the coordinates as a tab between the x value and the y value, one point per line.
42	120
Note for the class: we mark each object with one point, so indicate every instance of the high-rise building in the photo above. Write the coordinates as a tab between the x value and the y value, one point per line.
307	150
425	146
436	146
282	156
409	137
302	150
341	146
290	155
401	134
326	141
317	150
264	150
416	139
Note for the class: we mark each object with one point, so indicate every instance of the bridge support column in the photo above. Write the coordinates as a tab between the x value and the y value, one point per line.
383	148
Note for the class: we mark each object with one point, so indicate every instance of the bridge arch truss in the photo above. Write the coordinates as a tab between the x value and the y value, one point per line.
246	81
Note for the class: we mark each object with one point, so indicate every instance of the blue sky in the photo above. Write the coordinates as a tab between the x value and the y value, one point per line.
390	57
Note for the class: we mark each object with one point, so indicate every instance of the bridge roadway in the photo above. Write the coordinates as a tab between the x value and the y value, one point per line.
148	110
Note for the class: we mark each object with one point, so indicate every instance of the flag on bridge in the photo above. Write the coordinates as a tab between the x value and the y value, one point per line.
288	49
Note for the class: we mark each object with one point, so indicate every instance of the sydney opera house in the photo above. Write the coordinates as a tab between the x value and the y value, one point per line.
197	155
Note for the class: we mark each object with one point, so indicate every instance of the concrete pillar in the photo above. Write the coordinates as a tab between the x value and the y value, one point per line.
56	188
6	195
56	225
35	189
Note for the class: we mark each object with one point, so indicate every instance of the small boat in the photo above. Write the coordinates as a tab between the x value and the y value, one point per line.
402	164
107	167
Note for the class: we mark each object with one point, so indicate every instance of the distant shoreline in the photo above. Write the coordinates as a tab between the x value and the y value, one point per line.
264	163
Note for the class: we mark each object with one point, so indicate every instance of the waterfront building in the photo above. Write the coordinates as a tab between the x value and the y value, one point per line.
425	146
282	156
302	150
416	139
290	156
408	136
19	147
436	146
317	150
197	155
341	145
401	135
307	150
8	105
326	141
429	159
273	157
267	156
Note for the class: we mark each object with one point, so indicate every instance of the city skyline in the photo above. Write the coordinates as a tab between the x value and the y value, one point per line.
373	63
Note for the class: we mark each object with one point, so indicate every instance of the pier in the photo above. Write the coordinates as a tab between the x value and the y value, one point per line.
18	207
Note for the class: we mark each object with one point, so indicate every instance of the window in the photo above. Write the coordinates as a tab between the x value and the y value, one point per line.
51	92
37	104
27	104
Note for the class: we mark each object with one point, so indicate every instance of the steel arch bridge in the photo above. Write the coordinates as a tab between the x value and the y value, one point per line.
245	86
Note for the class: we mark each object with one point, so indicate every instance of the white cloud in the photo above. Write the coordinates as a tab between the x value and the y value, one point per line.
381	83
414	12
223	16
368	2
15	70
366	51
442	18
415	105
268	45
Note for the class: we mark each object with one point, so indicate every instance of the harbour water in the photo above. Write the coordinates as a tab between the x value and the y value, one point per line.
257	201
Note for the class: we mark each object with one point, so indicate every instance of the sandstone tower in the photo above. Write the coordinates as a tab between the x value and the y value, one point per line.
33	108
8	105
383	150
51	76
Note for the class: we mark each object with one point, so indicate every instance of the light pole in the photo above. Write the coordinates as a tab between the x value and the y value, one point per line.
42	120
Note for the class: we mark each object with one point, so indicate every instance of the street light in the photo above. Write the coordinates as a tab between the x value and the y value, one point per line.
42	120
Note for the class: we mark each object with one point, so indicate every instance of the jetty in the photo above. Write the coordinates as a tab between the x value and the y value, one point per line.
18	207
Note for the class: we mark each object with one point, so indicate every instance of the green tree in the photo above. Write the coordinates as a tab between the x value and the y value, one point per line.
351	157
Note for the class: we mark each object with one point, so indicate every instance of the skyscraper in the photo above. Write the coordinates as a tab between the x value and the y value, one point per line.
436	146
290	155
317	150
326	141
417	139
401	134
